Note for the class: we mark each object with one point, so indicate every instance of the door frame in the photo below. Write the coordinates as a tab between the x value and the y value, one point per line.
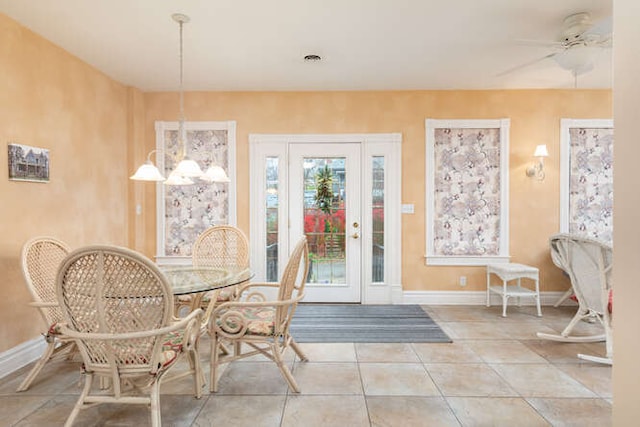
388	145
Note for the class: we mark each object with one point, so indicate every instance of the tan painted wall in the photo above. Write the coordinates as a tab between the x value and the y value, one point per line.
52	100
535	119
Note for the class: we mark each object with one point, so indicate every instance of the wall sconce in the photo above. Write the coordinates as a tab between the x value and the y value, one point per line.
537	169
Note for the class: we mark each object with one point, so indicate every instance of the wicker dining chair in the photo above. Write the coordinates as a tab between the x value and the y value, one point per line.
588	263
118	307
219	246
258	325
41	256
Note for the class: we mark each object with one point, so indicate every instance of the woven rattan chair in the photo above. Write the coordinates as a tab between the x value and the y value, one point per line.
261	325
118	307
40	259
588	263
220	246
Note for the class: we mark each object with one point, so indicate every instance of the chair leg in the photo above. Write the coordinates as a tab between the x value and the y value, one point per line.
294	345
38	366
564	296
155	404
215	357
198	375
88	380
277	357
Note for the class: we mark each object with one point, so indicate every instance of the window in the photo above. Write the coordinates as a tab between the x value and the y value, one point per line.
467	187
586	178
183	212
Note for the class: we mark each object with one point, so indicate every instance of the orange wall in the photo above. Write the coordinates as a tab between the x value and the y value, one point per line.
535	119
98	131
52	100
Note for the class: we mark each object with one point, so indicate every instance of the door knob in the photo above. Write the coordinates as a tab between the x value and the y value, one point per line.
355	235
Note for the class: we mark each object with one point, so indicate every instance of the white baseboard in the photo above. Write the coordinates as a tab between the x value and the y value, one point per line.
471	298
21	355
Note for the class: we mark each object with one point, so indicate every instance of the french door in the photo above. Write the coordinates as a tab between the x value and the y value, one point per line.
324	205
342	191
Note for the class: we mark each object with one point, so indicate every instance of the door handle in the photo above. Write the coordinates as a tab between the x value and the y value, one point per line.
355	235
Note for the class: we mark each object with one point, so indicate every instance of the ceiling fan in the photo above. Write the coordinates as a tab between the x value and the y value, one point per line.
578	44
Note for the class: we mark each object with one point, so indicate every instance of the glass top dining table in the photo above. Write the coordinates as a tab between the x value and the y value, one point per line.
185	280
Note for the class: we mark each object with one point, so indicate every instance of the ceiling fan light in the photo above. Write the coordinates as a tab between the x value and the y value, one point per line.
578	59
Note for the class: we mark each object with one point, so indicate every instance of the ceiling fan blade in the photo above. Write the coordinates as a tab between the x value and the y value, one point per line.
526	64
544	43
602	28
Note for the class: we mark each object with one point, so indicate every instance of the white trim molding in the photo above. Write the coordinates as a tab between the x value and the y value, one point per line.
21	355
473	298
433	258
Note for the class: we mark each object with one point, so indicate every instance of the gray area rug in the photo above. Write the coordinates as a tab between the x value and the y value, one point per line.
364	324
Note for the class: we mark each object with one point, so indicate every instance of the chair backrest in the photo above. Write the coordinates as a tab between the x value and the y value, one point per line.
588	263
40	259
113	290
292	282
221	246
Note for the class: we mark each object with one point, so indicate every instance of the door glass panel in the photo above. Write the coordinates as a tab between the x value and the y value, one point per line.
377	219
272	205
324	218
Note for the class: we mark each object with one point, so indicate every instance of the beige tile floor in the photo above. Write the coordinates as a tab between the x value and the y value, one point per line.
495	373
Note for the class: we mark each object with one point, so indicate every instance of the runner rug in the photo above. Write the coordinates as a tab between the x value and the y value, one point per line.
364	324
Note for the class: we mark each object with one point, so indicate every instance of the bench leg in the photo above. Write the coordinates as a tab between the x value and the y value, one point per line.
538	297
505	297
488	292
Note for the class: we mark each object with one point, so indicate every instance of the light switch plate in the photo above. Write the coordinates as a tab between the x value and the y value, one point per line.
407	208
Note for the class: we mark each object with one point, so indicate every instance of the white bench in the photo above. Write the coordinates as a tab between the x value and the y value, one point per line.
509	272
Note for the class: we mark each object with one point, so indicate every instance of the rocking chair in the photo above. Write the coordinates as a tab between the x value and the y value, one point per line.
588	263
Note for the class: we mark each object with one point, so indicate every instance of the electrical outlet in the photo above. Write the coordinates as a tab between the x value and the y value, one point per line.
463	281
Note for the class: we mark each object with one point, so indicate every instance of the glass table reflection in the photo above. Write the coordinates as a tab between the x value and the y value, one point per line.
196	282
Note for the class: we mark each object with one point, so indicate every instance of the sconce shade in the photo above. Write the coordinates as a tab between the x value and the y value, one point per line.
215	174
188	168
176	179
541	151
147	172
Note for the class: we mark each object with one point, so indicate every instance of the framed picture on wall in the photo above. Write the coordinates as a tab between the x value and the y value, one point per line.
28	163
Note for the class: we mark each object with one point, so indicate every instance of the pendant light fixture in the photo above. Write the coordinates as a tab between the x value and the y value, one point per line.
187	168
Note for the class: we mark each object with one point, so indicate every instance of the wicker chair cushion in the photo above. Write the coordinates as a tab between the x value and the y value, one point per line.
171	348
260	321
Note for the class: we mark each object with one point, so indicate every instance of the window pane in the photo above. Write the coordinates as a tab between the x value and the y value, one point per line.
377	219
272	204
324	218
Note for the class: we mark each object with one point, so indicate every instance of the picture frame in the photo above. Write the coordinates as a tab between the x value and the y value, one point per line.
28	163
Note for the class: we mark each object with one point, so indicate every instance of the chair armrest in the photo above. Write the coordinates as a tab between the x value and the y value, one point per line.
184	323
231	311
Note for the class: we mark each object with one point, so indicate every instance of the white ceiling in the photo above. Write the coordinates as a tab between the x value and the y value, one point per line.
251	45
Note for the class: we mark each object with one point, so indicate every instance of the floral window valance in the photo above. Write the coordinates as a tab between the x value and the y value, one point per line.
467	191
587	178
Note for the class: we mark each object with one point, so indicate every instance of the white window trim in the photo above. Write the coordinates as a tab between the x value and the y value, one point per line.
431	125
161	127
565	160
389	145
